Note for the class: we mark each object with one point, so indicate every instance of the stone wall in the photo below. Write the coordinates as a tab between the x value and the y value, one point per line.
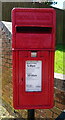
7	91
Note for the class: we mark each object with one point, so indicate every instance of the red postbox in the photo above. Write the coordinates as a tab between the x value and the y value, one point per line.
33	45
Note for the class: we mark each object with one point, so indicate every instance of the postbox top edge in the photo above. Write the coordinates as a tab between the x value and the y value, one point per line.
35	9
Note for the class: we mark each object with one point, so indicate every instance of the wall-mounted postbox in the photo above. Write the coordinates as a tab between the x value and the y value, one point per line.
33	45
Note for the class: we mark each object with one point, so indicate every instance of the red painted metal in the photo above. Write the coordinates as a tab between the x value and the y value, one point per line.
33	30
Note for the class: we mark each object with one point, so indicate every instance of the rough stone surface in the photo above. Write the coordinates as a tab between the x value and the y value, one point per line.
4	113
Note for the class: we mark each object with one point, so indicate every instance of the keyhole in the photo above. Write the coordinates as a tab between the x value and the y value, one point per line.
22	79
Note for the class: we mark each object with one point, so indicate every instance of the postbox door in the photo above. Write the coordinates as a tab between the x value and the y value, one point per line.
35	84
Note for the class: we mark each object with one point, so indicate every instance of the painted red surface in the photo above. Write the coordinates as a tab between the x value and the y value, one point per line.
33	30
